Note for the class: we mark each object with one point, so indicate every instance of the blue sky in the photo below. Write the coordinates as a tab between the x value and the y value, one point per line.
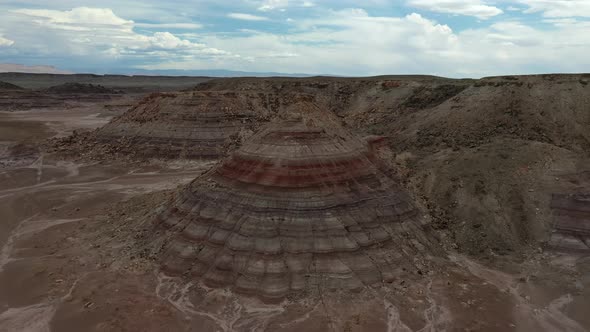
455	38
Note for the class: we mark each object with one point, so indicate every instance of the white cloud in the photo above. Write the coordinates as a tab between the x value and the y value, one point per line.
166	40
349	42
5	41
561	21
282	5
98	34
558	8
282	55
345	42
247	17
80	15
184	26
474	8
268	5
352	42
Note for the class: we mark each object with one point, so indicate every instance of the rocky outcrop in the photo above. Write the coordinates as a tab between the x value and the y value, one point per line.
80	88
571	228
193	125
213	118
297	207
184	125
470	150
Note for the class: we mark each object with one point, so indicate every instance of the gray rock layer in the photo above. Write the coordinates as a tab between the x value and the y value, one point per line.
295	207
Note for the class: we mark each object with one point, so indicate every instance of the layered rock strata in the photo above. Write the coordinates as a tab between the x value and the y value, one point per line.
571	228
188	125
296	207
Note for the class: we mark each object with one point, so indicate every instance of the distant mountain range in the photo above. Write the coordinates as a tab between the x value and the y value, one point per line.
206	73
19	68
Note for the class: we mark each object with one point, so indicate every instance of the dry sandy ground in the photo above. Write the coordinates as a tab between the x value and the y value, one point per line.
67	262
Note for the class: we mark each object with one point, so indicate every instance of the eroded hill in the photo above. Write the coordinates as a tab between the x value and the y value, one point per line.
355	217
483	157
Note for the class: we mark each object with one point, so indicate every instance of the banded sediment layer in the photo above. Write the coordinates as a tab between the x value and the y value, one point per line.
571	228
189	125
477	153
194	124
296	207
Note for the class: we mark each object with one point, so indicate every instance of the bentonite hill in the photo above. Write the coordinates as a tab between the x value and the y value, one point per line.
410	203
297	207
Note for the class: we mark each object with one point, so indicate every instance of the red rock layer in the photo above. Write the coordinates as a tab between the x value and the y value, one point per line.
295	207
571	228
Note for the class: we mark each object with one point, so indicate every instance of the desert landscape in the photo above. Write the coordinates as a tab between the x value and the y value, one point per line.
389	203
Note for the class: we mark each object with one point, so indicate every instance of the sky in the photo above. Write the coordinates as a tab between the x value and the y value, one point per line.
453	38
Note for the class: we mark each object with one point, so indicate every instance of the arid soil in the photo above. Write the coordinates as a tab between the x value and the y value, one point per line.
497	167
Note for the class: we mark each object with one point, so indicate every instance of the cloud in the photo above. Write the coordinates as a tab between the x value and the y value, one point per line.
338	43
5	41
558	8
269	5
247	17
167	41
80	15
513	9
320	40
282	5
98	35
352	42
89	18
474	8
183	26
282	55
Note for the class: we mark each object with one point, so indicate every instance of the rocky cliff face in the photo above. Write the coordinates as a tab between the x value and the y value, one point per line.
297	206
